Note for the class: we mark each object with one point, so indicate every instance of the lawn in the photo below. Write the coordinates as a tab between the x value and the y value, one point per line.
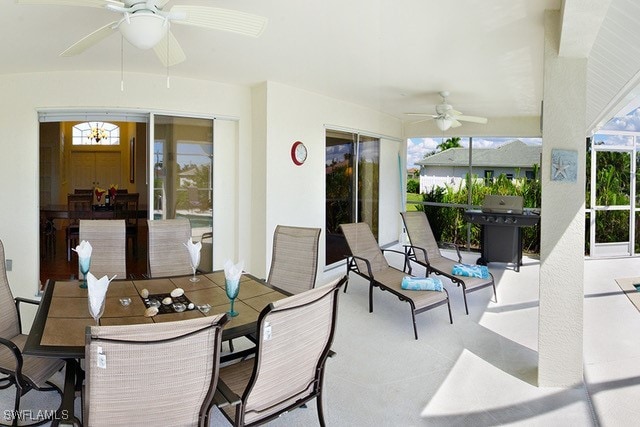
413	197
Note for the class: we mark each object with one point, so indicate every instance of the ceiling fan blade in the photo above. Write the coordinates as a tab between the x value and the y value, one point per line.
433	116
473	119
90	40
423	120
455	123
221	19
175	53
85	3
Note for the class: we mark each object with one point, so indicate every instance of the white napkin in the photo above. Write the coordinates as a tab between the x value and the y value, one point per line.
83	249
232	273
97	289
194	252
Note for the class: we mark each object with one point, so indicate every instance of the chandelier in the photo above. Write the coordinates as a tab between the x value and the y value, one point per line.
98	134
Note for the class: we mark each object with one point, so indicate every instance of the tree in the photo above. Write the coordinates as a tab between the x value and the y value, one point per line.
453	142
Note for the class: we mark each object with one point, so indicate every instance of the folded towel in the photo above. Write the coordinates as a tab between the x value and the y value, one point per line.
421	283
470	270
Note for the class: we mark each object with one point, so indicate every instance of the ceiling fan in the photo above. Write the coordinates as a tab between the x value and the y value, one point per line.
145	24
446	117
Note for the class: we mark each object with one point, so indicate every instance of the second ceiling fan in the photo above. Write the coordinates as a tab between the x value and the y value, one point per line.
446	117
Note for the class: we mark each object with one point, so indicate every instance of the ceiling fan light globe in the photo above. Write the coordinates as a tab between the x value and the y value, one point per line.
443	123
144	30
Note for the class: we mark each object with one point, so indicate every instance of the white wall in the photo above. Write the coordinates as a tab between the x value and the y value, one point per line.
295	195
26	94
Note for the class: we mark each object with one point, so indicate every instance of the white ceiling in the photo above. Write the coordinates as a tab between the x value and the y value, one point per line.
390	55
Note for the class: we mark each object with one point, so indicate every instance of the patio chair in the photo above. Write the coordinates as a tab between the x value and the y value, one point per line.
368	261
168	255
160	374
294	258
424	251
294	337
108	240
21	371
126	207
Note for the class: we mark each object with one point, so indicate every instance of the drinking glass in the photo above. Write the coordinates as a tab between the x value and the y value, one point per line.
85	263
232	287
96	316
194	265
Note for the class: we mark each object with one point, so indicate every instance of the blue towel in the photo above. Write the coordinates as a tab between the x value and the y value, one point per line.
421	283
470	270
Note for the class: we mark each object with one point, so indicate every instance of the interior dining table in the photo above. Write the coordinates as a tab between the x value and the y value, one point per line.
62	319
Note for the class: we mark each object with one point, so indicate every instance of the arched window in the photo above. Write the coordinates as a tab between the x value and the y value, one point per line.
96	133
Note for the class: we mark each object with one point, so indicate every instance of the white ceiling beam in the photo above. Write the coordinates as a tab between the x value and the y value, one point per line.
581	21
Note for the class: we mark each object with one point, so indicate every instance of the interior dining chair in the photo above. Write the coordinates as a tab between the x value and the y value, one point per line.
368	261
424	251
19	370
168	255
108	240
78	207
162	374
294	337
294	258
126	205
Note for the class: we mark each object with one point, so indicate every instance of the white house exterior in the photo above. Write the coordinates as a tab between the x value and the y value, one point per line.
514	159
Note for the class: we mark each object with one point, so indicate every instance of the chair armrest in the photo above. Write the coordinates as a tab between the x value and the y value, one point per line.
351	264
17	355
454	246
224	396
393	250
410	252
18	300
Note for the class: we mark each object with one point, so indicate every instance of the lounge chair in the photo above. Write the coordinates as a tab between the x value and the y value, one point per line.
424	251
368	260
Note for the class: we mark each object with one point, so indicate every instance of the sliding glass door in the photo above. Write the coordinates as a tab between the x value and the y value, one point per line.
352	167
182	170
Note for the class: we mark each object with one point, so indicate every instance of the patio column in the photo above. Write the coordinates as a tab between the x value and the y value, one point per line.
560	335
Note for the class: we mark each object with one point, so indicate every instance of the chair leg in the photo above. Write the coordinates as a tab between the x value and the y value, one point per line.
464	294
320	411
370	297
495	294
415	327
231	346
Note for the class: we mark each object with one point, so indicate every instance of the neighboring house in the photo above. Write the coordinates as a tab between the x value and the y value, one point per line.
450	167
187	177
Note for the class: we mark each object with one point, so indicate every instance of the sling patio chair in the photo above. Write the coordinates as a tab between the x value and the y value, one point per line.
294	258
294	337
368	261
168	255
153	374
424	251
21	371
108	240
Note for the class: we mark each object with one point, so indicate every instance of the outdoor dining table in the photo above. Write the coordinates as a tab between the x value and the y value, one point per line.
59	327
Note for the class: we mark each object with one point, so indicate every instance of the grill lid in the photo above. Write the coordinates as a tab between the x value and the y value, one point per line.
494	203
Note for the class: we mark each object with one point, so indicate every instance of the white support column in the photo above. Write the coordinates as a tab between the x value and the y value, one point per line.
562	218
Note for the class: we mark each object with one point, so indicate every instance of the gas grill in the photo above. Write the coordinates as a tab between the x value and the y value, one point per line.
501	219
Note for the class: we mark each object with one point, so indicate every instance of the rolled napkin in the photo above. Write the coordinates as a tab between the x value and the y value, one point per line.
471	270
232	273
83	249
194	252
421	283
97	289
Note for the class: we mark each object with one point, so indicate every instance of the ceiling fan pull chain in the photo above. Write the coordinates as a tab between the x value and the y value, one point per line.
167	62
121	63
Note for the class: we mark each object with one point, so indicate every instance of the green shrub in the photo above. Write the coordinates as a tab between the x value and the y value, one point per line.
413	186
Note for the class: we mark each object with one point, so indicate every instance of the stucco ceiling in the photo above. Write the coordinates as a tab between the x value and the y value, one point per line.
390	55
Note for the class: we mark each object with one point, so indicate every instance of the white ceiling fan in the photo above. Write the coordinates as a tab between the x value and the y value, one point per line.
145	24
446	117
